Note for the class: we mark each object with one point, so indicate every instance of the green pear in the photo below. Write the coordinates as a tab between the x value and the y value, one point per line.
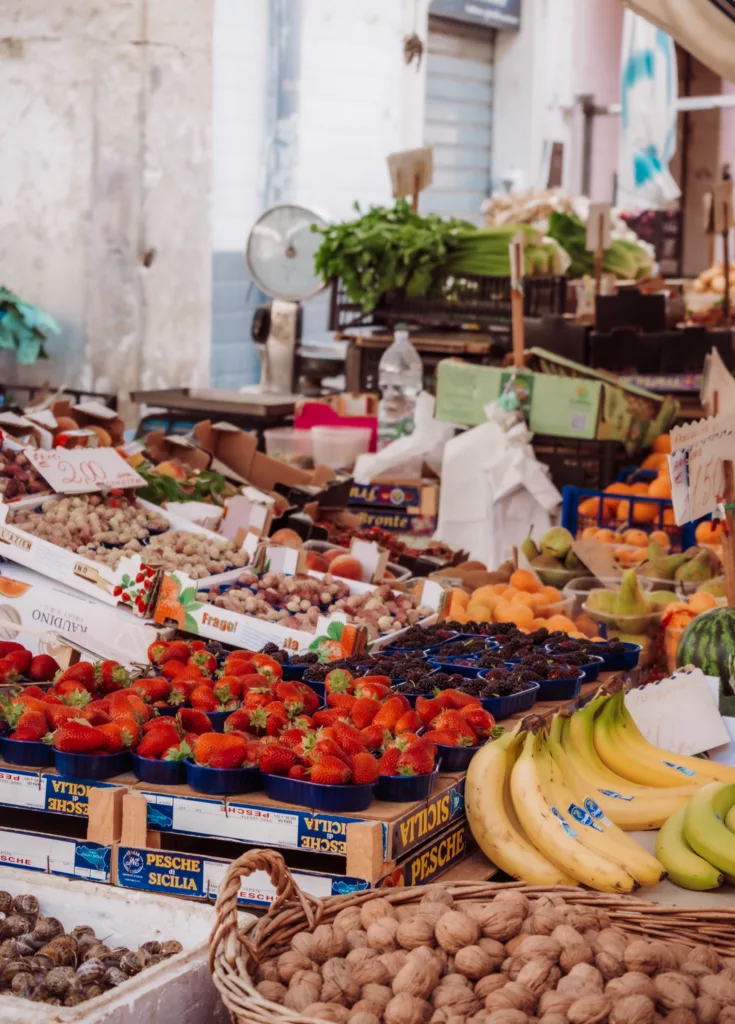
661	566
602	601
662	597
529	548
556	542
550	571
702	567
715	587
573	562
631	604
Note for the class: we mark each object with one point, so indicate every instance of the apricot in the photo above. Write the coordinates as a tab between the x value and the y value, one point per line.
478	613
316	562
347	567
560	622
662	445
636	538
656	460
519	614
708	532
524	580
590	532
288	538
662	539
703	602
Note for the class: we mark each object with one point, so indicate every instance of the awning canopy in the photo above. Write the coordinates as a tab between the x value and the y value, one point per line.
706	28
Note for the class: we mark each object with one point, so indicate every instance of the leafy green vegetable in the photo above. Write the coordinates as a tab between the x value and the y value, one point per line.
204	486
625	258
24	327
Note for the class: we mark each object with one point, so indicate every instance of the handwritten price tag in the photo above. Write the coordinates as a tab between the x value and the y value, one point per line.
81	470
699	450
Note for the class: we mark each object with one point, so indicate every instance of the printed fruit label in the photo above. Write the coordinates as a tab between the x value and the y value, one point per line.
565	824
596	811
679	768
615	796
580	815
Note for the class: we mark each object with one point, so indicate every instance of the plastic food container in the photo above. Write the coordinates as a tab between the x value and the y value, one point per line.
620	661
218	719
405	788
223	781
580	589
91	766
159	773
317	796
560	689
338	447
503	707
640	629
286	442
590	670
27	753
456	669
455	759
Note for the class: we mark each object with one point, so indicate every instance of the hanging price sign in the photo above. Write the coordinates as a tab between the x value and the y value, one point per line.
81	470
699	451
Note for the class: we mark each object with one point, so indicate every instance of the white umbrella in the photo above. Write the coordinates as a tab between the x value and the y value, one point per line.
706	28
649	89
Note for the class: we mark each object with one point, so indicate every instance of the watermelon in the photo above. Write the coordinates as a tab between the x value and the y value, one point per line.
708	642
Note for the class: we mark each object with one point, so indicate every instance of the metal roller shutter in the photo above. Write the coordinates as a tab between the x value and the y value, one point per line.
458	118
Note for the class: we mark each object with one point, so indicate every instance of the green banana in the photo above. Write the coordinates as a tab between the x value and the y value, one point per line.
685	867
704	825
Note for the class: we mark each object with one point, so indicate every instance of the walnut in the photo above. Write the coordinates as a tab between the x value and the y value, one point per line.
312	977
431	911
554	1002
705	955
455	930
643	957
371	1008
693	969
489	984
394	960
609	965
404	1009
720	988
380	995
725	1016
324	942
267	971
543	921
348	920
707	1009
575	948
299	996
634	983
634	1009
473	962
507	1017
539	976
685	1016
533	947
292	961
370	971
500	919
494	949
585	974
341	974
381	934
513	896
328	1011
609	940
363	1017
373	910
512	966
590	1010
419	977
273	991
437	895
417	931
512	996
456	999
553	1018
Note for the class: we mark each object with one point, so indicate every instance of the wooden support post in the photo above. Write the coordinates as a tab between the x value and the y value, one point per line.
517	260
105	808
364	841
134	820
728	540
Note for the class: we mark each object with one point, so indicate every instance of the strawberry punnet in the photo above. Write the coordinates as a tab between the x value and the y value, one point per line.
78	737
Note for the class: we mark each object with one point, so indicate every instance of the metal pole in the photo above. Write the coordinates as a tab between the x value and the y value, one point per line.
588	111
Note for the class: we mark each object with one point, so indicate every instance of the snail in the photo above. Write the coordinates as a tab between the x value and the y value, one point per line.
114	976
171	948
91	971
26	904
15	925
132	963
59	979
22	984
6	902
47	928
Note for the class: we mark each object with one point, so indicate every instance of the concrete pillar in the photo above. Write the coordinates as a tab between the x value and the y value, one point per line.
105	111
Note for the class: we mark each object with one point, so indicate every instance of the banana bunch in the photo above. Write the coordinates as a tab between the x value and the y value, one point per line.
551	803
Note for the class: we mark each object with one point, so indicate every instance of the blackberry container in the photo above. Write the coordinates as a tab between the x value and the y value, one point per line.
590	670
504	707
316	795
223	781
561	689
159	773
622	661
91	766
453	668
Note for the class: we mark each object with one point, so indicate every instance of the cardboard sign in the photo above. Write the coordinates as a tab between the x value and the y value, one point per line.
516	261
79	471
598	227
679	713
707	444
411	171
599	559
679	474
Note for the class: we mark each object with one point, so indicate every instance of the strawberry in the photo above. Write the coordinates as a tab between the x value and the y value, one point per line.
408	722
192	720
293	738
176	650
238	721
6	646
239	667
35	691
20	660
308	697
365	769
228	688
446	738
156	651
31	726
78	737
181	691
428	708
330	771
129	726
346	701
197	645
267	666
372	737
480	721
339	680
254	681
418	759
117	737
277	718
388	764
277	759
220	750
348	738
328	716
181	752
363	711
322	746
59	713
455	699
453	721
171	669
256	699
255	749
204	661
203	699
95	713
157	741
298	771
110	675
152	689
376	687
82	672
8	672
389	713
43	668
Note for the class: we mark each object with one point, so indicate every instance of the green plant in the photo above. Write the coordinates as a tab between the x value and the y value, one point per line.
24	328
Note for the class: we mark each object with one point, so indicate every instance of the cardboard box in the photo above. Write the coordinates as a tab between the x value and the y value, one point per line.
93	414
400	506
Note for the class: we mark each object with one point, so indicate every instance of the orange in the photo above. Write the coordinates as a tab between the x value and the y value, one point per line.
590	532
560	622
660	487
486	595
662	444
656	460
642	513
589	507
479	613
607	536
501	611
662	539
708	532
529	600
518	613
586	624
699	603
669	517
12	588
552	593
522	579
499	588
639	488
637	538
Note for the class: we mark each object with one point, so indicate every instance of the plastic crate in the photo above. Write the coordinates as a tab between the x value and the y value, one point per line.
581	463
682	537
479	300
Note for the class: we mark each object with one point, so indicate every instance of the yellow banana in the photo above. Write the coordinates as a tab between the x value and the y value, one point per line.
716	772
578	738
704	825
685	867
585	806
493	822
548	830
634	760
631	807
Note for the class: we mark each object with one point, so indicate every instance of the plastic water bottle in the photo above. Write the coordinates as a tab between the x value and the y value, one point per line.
400	378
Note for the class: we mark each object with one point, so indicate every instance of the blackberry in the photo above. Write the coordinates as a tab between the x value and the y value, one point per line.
307	658
489	660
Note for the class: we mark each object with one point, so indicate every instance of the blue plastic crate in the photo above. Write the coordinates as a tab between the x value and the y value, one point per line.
682	537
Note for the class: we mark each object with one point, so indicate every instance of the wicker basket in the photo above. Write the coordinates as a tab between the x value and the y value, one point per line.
234	953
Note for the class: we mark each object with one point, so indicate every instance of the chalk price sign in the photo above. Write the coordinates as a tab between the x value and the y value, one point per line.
80	470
